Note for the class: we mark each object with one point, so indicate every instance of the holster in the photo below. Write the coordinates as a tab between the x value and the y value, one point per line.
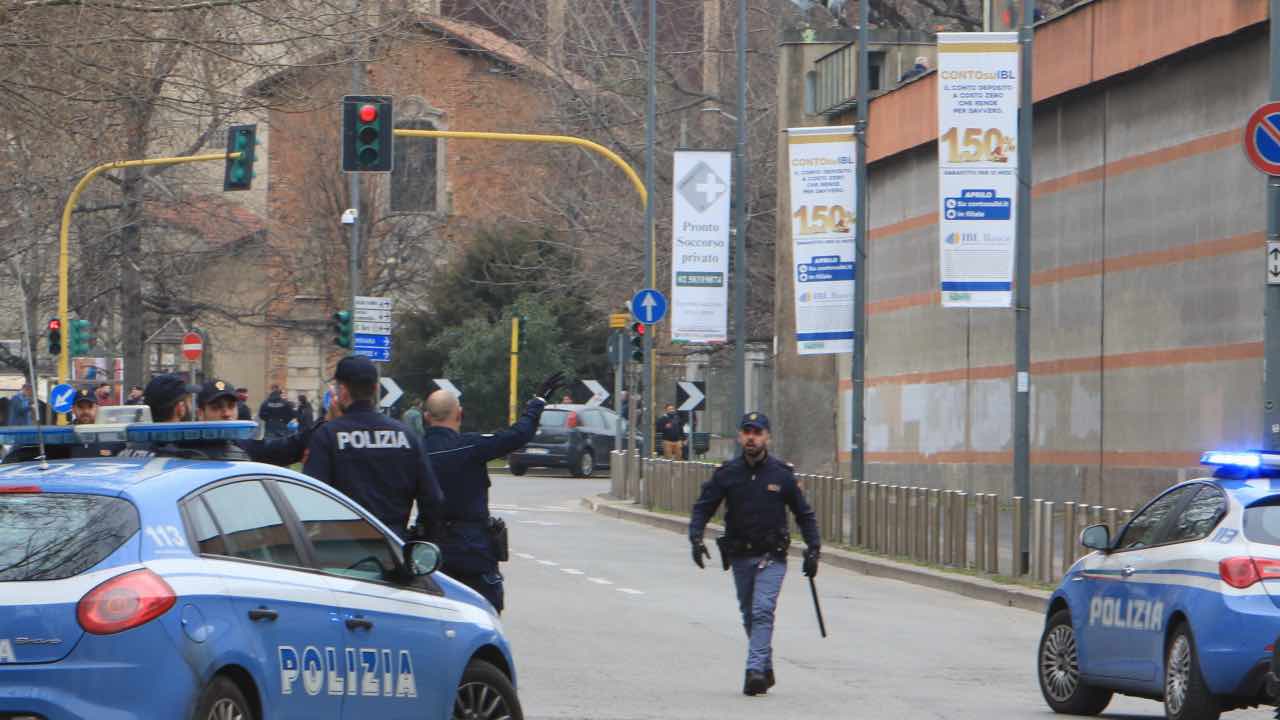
497	530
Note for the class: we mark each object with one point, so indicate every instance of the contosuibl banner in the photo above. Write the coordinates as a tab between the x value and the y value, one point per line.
977	167
822	231
700	246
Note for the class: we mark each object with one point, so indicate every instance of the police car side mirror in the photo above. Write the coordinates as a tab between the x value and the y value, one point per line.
1096	537
421	558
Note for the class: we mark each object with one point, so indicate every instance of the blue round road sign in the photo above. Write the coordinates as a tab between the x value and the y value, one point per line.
1262	138
62	397
649	306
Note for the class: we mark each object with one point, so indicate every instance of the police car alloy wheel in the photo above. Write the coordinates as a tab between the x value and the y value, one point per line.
222	700
485	693
1059	671
1185	695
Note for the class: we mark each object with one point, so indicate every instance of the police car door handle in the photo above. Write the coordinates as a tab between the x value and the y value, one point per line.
257	614
359	623
1127	571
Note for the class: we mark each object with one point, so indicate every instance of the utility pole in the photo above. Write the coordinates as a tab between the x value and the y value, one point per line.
1022	292
740	227
650	123
1271	341
859	365
353	180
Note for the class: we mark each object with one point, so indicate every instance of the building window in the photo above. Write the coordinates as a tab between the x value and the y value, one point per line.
416	173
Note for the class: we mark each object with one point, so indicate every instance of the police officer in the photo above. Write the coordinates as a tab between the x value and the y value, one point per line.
276	412
376	461
461	460
216	401
85	412
757	488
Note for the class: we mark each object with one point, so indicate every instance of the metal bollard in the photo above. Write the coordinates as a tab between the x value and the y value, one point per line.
993	533
1111	517
962	529
886	521
1095	514
980	533
1037	537
1016	546
892	514
924	525
873	507
1068	531
1082	522
934	538
1049	526
900	520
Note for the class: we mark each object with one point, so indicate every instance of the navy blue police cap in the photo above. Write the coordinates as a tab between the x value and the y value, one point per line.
213	390
754	420
356	369
167	389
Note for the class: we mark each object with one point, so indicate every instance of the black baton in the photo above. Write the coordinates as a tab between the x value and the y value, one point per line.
822	626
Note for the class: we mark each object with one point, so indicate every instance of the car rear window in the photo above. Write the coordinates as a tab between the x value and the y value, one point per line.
1262	522
50	536
554	418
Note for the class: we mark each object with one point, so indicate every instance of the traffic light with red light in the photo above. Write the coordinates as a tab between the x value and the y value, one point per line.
55	337
367	124
637	341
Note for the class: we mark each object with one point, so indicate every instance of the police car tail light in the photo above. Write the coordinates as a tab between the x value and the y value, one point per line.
572	421
125	601
19	489
1241	572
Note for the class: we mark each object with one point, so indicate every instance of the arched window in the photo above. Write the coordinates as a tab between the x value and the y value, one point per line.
417	176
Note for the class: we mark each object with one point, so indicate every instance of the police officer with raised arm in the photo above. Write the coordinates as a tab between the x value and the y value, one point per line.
375	460
461	461
216	401
757	488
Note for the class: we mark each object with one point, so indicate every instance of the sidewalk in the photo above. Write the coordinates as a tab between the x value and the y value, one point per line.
978	588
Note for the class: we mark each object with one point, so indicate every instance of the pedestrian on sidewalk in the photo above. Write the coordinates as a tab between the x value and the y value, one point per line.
671	432
757	488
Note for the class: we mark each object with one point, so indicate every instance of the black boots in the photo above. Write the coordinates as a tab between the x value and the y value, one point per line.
757	683
768	679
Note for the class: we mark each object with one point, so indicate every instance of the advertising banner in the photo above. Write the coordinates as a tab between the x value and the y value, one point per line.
822	232
700	246
977	167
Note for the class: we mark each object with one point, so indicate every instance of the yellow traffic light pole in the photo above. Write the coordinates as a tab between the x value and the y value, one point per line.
515	369
64	244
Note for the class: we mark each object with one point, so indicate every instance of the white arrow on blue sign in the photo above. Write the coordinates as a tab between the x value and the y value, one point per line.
649	306
375	354
62	397
366	340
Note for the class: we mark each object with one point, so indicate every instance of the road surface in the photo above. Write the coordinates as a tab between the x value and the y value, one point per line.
610	620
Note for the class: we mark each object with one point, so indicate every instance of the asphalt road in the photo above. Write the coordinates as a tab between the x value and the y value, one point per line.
610	620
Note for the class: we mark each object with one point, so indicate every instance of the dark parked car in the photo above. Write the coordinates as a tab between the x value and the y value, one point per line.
578	437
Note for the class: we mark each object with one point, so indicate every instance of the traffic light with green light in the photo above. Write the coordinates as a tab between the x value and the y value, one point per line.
238	174
366	133
55	337
342	329
79	337
637	341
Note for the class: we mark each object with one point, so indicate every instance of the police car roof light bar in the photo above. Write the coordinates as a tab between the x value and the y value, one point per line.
1247	460
132	432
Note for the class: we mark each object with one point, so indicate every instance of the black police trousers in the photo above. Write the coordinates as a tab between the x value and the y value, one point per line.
488	584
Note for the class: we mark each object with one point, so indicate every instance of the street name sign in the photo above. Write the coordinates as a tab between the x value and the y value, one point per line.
372	303
1262	138
372	315
371	328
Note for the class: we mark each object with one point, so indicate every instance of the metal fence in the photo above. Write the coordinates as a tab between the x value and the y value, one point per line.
977	531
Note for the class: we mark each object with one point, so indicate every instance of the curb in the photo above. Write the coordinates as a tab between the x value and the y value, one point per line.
971	587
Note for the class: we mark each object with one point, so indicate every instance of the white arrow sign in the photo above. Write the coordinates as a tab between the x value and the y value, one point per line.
696	396
371	328
598	393
648	304
393	392
372	315
444	384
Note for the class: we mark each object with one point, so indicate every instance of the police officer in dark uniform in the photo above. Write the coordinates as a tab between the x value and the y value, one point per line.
276	412
758	489
376	461
461	460
216	401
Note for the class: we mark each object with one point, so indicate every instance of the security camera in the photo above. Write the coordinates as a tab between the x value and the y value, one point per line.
349	216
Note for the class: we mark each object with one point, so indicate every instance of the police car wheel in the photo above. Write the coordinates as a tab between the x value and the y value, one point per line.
1186	697
1059	671
222	700
585	465
517	468
485	694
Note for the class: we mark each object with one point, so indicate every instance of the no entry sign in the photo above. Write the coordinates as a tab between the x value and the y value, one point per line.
1262	138
192	346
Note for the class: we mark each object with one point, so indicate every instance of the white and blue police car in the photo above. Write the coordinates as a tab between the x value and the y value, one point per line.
167	587
1182	606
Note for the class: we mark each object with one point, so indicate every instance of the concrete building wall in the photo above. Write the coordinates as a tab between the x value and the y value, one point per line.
1146	304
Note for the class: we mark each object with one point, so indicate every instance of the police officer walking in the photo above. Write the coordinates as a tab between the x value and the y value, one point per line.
757	489
375	460
461	461
276	412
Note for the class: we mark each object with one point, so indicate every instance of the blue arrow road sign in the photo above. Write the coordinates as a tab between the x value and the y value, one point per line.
365	340
62	397
649	306
374	354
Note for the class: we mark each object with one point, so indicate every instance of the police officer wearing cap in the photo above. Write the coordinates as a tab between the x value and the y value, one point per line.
757	489
376	461
85	412
472	542
217	401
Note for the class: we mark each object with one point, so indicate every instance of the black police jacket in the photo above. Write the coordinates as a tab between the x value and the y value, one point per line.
275	411
283	451
757	498
670	427
379	463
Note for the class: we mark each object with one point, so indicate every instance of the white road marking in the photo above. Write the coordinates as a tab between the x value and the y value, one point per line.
599	581
540	523
548	562
629	591
525	556
571	571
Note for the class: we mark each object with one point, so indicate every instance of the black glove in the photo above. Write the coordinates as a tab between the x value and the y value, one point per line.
811	561
550	385
699	552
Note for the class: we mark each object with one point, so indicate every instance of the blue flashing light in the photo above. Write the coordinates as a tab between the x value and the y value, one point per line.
189	431
30	435
1220	458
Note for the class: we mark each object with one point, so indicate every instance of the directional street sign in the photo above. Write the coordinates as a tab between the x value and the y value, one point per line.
598	393
691	395
391	392
371	328
1273	262
373	353
618	320
62	397
444	384
372	303
363	340
372	315
1262	138
649	306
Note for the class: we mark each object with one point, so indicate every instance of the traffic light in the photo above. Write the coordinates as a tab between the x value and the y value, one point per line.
55	337
524	332
637	341
238	174
366	133
342	329
79	336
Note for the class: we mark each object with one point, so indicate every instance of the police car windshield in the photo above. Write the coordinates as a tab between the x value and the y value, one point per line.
51	536
1262	522
554	418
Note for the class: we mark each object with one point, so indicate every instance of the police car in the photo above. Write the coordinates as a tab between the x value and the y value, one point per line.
1182	606
167	587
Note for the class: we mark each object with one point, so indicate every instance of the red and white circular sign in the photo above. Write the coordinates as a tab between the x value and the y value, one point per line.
192	346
